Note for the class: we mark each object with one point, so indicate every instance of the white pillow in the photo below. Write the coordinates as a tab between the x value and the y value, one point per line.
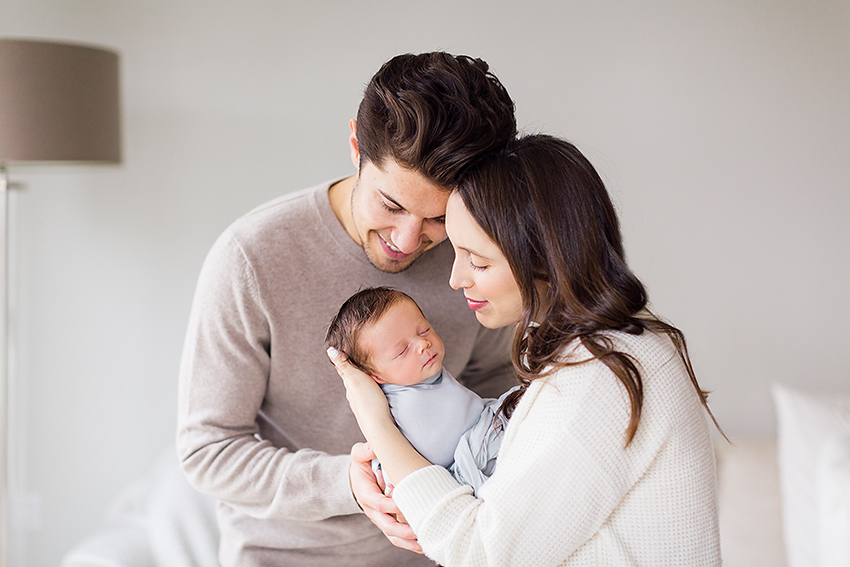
805	422
833	479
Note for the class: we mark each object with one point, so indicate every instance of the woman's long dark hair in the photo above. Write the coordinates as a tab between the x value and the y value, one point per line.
545	206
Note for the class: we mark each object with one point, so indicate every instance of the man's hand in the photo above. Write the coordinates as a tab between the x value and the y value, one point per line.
381	509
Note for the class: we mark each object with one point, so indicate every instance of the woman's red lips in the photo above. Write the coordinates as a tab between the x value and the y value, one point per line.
475	305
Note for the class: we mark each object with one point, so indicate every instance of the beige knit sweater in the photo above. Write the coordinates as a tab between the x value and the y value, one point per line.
263	422
566	491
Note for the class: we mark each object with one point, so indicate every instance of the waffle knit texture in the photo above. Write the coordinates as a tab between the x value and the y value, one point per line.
263	423
565	490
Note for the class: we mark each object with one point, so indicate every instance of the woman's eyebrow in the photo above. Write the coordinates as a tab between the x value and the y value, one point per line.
473	252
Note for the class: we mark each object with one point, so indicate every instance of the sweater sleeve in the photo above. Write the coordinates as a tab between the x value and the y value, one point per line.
224	373
550	493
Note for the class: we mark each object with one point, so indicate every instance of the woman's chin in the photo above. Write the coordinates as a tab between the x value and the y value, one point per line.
492	322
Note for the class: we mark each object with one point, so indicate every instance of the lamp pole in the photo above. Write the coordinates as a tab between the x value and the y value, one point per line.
4	367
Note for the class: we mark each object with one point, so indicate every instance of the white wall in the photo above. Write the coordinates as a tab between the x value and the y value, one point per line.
722	128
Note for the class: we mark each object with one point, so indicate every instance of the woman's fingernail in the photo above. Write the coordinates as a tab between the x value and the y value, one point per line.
333	353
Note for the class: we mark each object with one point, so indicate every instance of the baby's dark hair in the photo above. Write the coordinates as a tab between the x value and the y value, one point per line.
363	308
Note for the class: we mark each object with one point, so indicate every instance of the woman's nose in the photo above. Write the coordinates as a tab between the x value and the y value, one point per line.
456	277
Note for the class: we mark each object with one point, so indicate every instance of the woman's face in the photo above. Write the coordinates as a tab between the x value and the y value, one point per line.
481	270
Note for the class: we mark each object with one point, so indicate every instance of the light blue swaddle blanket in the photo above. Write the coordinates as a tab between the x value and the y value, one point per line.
450	425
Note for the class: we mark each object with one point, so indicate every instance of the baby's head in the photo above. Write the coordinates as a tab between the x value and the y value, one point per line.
383	332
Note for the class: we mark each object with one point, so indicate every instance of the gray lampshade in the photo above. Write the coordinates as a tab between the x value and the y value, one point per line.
58	103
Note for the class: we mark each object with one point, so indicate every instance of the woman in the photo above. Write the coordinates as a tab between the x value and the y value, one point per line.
607	458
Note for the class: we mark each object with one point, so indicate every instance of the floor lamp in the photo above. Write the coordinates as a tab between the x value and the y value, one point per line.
59	103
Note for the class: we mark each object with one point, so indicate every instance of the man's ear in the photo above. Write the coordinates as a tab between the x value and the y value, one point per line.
352	141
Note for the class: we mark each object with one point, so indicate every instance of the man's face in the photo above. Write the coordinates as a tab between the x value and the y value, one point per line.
397	213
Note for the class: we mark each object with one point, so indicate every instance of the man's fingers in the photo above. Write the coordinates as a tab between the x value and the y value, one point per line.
380	509
408	544
391	527
365	487
382	482
379	502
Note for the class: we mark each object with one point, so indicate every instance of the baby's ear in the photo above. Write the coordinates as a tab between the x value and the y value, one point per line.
378	379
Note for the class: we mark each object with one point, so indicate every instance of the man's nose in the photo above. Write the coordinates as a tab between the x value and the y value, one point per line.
409	236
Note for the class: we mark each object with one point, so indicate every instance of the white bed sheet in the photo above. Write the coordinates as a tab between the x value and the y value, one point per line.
158	521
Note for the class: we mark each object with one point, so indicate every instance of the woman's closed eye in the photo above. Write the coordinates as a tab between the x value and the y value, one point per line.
476	261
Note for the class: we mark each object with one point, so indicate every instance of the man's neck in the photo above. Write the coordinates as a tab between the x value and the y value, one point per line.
339	195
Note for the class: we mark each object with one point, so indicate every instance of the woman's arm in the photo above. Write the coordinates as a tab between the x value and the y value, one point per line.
397	456
548	495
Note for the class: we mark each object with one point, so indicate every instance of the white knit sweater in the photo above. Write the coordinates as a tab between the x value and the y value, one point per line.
567	492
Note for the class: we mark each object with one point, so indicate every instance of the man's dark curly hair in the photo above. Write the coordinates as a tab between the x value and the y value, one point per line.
434	113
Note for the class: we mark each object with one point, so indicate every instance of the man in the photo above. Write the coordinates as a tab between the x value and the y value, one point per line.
263	422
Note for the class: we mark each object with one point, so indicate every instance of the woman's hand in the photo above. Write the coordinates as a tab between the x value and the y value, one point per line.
398	457
364	395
